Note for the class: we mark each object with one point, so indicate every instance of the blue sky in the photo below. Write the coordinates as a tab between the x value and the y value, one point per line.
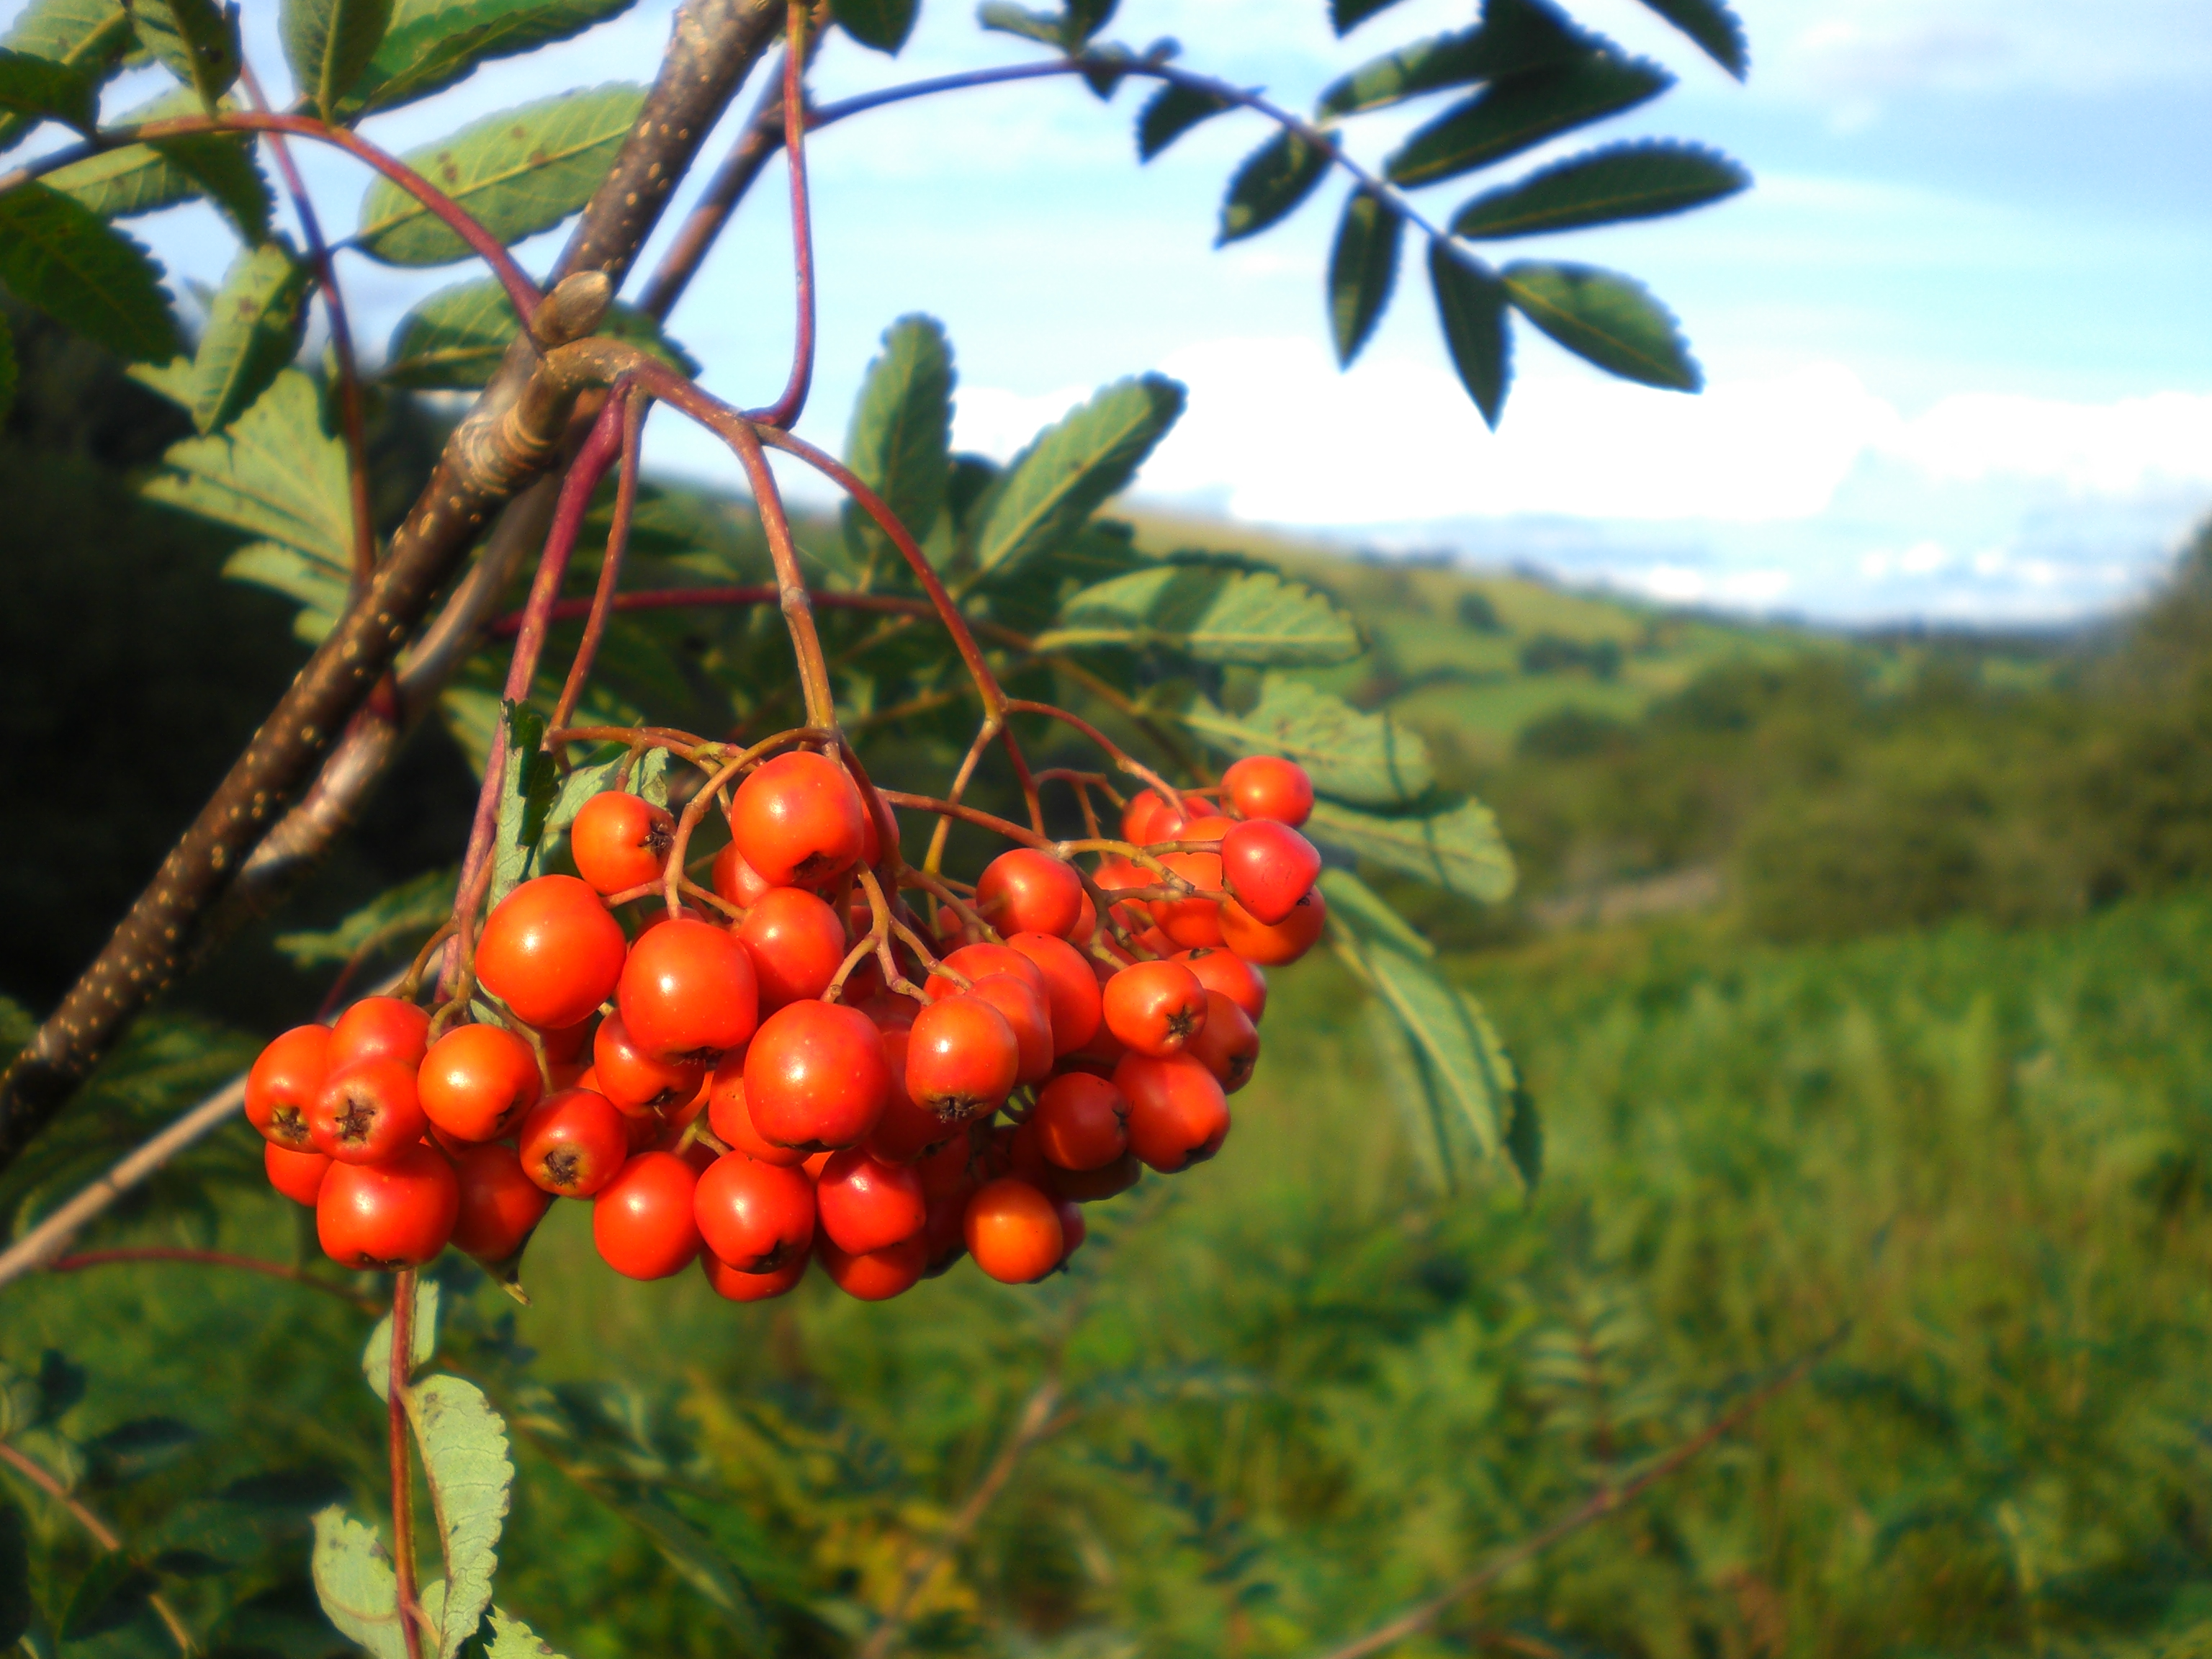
1958	348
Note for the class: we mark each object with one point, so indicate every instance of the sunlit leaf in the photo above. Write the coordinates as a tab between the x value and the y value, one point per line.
525	798
1362	268
63	258
1521	111
512	1639
196	41
255	323
355	1583
1458	849
135	178
1070	470
44	90
472	1476
454	339
1211	613
89	36
329	44
1514	36
409	911
1351	756
1641	180
1345	16
901	435
1606	318
1002	17
432	44
422	1340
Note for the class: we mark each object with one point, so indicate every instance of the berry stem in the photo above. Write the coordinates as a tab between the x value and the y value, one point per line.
786	408
83	1259
595	627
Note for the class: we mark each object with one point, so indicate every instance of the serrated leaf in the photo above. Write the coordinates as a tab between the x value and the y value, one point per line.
1620	182
1514	36
1458	849
526	795
512	1639
1070	470
42	90
518	172
1524	1137
454	339
59	256
1345	16
1422	1108
7	375
883	24
422	1340
1471	307
1714	27
1271	182
1350	755
135	178
413	907
1170	112
321	591
1606	318
1210	614
1353	904
355	1583
1079	19
1521	111
471	1476
1363	268
15	1604
432	44
901	438
255	323
195	40
89	36
329	44
1002	18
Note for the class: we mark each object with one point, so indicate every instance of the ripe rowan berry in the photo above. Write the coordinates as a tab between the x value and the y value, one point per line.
974	961
797	945
476	1082
1073	1228
551	951
634	1081
642	1221
1071	991
945	1170
961	1059
574	1143
286	1078
1026	892
367	1113
1284	942
737	881
945	1234
877	1276
564	1044
1222	969
869	1205
1268	787
1269	867
816	1077
731	1119
1227	1045
1013	1231
499	1206
391	1215
1155	1007
688	992
797	819
1095	1186
620	840
1081	1121
1114	875
1148	818
1177	1114
1191	921
379	1028
732	1286
756	1218
905	1132
1028	1013
298	1175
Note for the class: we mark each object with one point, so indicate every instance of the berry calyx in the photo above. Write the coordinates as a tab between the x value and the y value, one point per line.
574	1143
551	951
1155	1007
367	1113
620	840
285	1079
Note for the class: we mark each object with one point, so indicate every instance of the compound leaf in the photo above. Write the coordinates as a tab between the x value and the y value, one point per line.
525	797
409	911
1642	180
274	473
883	24
135	178
89	36
1211	613
455	338
1458	849
1274	179
1070	469
1714	27
355	1583
1363	268
329	44
1422	1108
254	326
1350	755
1170	112
1521	111
44	90
900	441
196	40
58	255
512	1639
1514	36
518	172
471	1476
1471	305
1606	319
432	44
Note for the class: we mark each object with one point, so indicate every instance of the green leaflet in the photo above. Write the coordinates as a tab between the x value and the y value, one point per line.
321	591
1520	112
512	1639
1351	756
1471	308
329	43
883	24
89	36
1213	613
135	178
196	41
1606	186
1070	470
527	793
1458	849
432	44
355	1583
422	1340
1606	318
413	909
471	1476
1170	112
899	441
1003	18
1715	28
1362	268
59	256
1345	16
518	172
1434	1132
456	338
1514	36
41	89
1271	182
255	323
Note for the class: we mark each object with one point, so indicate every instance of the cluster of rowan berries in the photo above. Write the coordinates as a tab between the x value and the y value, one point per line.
760	1092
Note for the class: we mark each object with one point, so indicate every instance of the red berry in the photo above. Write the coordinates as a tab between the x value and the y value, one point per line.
620	841
1222	969
735	880
797	820
755	1216
565	1043
736	1286
551	951
379	1028
944	1170
1155	1007
642	1221
1073	1228
298	1175
797	945
478	1081
961	1059
1227	1045
286	1078
974	961
1265	786
878	1275
816	1077
574	1143
391	1215
499	1205
1094	1186
1178	1116
1269	867
1071	989
688	993
867	1204
367	1113
732	1118
1026	892
1147	818
945	1234
634	1081
905	1132
1081	1121
1013	1231
1029	1013
1286	941
1191	921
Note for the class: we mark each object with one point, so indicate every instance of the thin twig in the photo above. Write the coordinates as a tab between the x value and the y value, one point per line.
101	1534
84	1259
785	410
595	625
